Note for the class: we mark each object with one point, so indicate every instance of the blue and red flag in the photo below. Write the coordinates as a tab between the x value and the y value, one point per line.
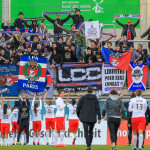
137	76
32	73
82	25
118	60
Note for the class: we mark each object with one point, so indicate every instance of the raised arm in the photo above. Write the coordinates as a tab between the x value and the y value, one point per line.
40	102
9	105
54	99
130	108
136	23
121	24
2	101
145	33
49	19
45	98
33	101
68	97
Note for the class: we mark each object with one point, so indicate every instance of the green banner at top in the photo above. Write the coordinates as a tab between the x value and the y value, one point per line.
102	10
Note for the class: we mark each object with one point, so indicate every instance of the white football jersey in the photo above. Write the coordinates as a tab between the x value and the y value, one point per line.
60	107
14	115
72	111
6	118
49	111
37	115
0	112
138	107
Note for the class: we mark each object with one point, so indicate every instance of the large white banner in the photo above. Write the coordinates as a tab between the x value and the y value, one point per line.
112	78
99	134
92	30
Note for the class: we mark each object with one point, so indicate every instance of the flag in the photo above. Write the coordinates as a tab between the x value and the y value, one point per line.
32	73
148	61
118	60
82	25
137	76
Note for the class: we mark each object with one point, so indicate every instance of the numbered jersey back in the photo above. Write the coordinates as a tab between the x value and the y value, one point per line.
72	111
6	117
49	111
139	106
15	115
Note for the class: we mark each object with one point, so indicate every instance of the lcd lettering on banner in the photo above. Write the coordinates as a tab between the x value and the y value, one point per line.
137	76
9	79
92	30
48	86
32	73
112	78
78	77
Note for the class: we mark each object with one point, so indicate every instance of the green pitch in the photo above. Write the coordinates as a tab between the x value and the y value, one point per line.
77	147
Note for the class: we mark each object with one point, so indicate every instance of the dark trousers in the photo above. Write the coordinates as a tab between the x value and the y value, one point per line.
129	134
21	128
88	132
113	125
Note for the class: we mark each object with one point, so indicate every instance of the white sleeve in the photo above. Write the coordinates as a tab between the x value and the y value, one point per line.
40	104
33	103
68	105
130	108
145	106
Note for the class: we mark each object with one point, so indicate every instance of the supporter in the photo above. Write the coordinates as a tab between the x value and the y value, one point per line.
8	49
28	51
20	22
60	44
13	55
114	107
68	54
90	56
35	43
3	41
93	45
34	26
128	29
135	56
109	46
17	57
144	55
147	32
42	29
4	59
40	49
56	58
118	49
35	52
54	47
21	47
59	21
46	54
8	24
70	32
46	46
80	44
73	49
77	18
100	57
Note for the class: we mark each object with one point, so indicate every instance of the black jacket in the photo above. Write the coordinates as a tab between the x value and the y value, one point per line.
147	32
6	27
77	19
57	30
125	28
92	57
88	108
19	23
57	58
68	56
23	116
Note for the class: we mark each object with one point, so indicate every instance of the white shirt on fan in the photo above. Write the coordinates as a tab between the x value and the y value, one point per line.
60	107
49	111
138	106
0	112
72	111
14	115
36	116
6	118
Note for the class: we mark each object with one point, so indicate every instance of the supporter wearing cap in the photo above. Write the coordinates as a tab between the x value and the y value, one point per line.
20	22
77	18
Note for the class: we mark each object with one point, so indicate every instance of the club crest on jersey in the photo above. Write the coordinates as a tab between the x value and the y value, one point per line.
32	71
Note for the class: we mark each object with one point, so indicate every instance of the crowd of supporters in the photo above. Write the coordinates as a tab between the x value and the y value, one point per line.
71	47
